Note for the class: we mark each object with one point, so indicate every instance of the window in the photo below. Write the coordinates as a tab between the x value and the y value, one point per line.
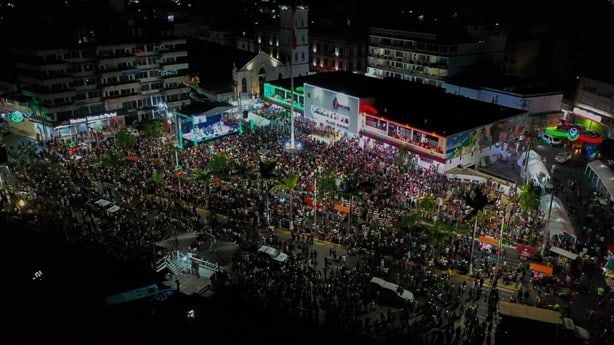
243	85
303	56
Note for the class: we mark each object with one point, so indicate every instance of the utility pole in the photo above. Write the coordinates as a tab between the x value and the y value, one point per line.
475	229
292	47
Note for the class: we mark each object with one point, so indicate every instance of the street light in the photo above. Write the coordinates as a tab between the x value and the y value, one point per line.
555	186
475	229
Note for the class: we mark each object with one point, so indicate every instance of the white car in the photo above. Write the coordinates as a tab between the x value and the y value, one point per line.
273	253
106	207
391	294
562	157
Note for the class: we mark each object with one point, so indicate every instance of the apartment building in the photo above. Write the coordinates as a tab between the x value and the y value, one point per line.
430	58
338	51
130	80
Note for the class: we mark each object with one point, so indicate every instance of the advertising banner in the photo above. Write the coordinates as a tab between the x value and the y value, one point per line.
331	108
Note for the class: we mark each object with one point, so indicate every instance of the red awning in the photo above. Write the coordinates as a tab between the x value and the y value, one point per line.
526	250
369	109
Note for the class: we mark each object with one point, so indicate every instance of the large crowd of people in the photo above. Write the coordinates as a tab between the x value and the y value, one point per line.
61	183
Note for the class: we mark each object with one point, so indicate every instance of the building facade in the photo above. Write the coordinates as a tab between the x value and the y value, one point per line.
131	80
594	106
364	112
426	57
343	52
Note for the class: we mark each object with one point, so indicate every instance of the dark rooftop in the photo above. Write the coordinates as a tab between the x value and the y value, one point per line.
214	62
198	108
421	106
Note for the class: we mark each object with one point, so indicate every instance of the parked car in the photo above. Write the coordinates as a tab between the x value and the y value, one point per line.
273	254
549	139
390	294
563	157
104	208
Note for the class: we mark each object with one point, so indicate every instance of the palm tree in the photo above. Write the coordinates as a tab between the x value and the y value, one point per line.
267	172
528	199
351	189
155	179
288	185
217	165
125	140
428	205
404	159
477	200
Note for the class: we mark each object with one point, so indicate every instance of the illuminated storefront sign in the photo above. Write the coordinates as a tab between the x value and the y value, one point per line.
17	116
94	118
331	108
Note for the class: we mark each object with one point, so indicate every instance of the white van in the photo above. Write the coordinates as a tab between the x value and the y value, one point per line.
550	140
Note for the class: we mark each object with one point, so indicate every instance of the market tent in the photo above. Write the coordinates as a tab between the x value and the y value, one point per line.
536	170
539	268
489	240
559	221
563	252
528	312
603	177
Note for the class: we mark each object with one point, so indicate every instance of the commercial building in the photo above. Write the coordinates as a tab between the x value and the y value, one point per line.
338	51
593	106
71	90
444	130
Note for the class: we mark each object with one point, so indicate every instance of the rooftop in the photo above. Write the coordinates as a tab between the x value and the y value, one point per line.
214	62
418	105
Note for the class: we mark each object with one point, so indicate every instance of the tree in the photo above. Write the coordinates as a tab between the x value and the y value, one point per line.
217	165
427	204
351	188
267	171
477	200
288	185
125	140
529	198
112	159
155	179
154	129
404	159
327	182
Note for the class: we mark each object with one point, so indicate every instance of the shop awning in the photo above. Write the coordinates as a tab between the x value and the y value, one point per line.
489	240
563	252
539	268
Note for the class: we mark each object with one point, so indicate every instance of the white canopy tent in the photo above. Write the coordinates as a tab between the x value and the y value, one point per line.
559	219
602	176
536	170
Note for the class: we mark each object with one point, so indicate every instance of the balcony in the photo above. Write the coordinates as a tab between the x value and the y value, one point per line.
407	49
406	71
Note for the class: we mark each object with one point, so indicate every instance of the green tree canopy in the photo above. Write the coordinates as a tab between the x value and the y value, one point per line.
125	140
528	198
267	168
154	129
156	178
217	165
112	159
404	159
288	184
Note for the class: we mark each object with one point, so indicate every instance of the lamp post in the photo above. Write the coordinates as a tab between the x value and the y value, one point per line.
546	231
475	229
292	20
315	199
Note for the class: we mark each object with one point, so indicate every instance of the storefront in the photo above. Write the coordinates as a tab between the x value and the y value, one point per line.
82	126
333	109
